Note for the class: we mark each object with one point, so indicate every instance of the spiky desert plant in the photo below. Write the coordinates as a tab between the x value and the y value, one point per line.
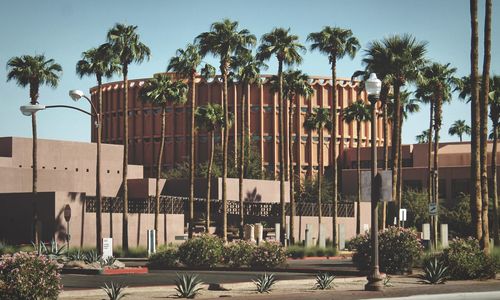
91	257
115	291
435	272
264	282
324	281
188	285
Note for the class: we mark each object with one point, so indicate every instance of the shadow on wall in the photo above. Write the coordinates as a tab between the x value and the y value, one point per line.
60	228
253	196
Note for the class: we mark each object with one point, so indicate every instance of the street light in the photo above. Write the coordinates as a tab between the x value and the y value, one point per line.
373	86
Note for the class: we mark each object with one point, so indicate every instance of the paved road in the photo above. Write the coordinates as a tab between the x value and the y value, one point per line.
297	269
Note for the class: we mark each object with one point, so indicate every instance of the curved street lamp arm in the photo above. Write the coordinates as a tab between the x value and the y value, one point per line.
91	104
71	107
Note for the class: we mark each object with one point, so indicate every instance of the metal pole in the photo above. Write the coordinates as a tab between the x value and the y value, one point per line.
374	278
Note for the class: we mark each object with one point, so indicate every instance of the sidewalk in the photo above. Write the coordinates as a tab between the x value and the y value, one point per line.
345	288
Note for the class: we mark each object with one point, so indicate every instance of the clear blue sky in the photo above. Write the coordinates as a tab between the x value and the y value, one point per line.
63	29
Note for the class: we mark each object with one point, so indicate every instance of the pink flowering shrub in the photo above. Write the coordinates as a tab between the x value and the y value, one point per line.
399	248
238	253
268	255
28	276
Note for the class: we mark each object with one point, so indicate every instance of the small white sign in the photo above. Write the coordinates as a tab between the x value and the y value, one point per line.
402	214
107	247
433	210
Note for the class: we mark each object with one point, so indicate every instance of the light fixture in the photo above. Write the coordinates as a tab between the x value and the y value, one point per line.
76	94
30	109
373	85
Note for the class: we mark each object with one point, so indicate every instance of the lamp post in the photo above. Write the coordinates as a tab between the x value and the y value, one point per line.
373	86
30	109
77	95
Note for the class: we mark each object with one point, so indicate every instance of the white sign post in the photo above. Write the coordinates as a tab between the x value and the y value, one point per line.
107	247
402	216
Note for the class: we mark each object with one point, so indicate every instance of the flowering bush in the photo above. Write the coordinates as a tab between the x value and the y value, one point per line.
466	260
268	255
204	251
166	258
239	253
398	249
28	276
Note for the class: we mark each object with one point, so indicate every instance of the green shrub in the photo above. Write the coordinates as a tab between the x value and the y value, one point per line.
268	255
399	248
137	252
238	254
166	258
203	251
296	252
27	276
466	260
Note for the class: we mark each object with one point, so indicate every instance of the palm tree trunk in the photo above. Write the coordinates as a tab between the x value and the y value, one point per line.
385	125
98	193
191	158
158	172
437	127
484	125
358	172
395	146
494	191
125	162
475	195
292	172
225	141
320	181
244	87
281	153
334	154
209	179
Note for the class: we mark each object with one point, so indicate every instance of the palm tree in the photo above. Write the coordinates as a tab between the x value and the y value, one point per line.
483	121
99	62
357	112
406	57
319	120
286	48
459	127
336	43
34	71
209	117
124	42
438	79
224	40
161	91
246	70
185	63
423	138
494	97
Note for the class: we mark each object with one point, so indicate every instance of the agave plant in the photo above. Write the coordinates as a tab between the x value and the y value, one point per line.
264	282
91	257
188	285
78	255
387	281
435	272
114	291
324	281
108	261
54	252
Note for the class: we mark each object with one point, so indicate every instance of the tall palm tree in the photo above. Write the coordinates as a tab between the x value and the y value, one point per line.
423	138
33	71
459	127
126	46
494	97
438	79
357	112
475	194
224	40
406	57
483	122
185	63
319	120
286	47
246	70
101	63
209	117
336	43
161	91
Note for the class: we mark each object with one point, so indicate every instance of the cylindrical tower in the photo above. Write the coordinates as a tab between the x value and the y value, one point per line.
261	119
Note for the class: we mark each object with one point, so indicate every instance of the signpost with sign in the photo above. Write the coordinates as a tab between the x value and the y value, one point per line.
433	210
107	247
67	217
402	216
